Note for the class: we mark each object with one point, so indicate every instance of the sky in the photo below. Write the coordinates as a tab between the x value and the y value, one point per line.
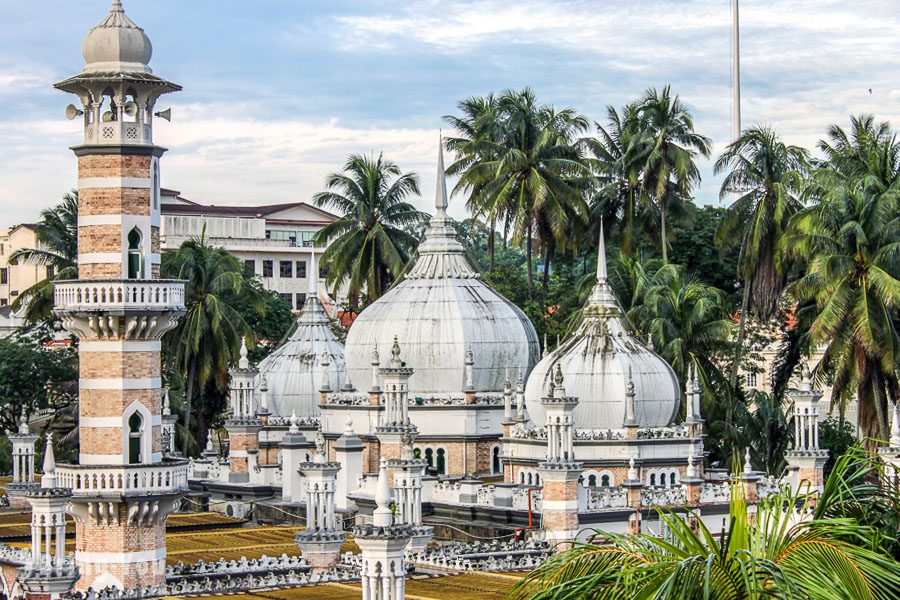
277	93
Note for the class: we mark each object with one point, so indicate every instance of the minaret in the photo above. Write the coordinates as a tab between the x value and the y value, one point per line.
320	543
23	464
560	471
348	452
395	392
806	461
50	574
407	472
382	547
243	427
122	489
293	445
167	436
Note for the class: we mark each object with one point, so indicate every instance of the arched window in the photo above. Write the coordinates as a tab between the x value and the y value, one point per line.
495	464
604	481
429	457
530	479
652	478
417	453
672	478
592	481
135	424
135	262
537	479
522	477
441	463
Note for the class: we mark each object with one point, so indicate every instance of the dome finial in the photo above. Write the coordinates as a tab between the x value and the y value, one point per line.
602	274
747	468
440	194
116	6
396	363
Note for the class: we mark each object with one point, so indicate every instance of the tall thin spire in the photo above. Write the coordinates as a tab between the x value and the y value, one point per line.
602	273
440	192
313	276
49	478
735	71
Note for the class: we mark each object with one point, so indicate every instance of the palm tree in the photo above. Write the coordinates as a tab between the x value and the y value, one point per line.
368	244
850	242
57	236
774	554
669	169
208	337
529	170
686	322
619	154
769	176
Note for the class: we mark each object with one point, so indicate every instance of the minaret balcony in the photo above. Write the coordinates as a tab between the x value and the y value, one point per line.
121	481
132	309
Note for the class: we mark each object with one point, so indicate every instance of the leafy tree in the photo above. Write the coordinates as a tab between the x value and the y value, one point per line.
669	169
772	555
57	235
368	245
272	324
768	432
207	339
28	374
837	436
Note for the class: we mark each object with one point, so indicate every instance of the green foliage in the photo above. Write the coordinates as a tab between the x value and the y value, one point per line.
837	436
57	234
368	246
271	324
207	339
836	554
28	373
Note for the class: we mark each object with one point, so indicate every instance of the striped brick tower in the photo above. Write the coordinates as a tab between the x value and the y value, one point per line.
122	488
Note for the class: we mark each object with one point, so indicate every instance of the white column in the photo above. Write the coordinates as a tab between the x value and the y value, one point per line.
16	460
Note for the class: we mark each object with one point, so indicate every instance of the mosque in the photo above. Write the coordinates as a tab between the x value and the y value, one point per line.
438	424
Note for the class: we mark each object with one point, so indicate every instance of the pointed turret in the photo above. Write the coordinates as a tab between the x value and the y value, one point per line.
49	478
382	517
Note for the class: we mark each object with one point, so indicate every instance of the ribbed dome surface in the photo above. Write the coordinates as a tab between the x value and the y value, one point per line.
438	312
293	372
595	364
116	44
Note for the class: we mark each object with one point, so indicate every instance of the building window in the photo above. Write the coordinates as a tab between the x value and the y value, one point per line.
268	267
592	481
250	266
323	271
287	297
51	271
441	462
652	478
429	457
286	268
604	481
751	380
4	276
135	268
495	460
301	300
135	423
301	269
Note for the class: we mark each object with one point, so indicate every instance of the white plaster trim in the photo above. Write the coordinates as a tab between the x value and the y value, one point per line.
120	383
114	422
562	535
120	558
118	346
237	454
101	459
113	219
559	504
93	258
87	183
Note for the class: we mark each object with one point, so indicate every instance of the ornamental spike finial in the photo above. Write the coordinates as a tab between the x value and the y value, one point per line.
602	274
747	467
632	470
49	478
382	517
313	276
23	423
293	421
244	362
440	194
559	391
396	363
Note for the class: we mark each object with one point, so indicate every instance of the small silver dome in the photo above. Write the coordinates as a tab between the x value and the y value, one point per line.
596	363
116	44
440	311
294	372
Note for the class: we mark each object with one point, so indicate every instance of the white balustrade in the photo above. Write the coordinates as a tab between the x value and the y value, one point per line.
126	479
605	498
122	294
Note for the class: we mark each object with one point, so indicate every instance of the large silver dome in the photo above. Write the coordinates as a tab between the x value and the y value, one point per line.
294	372
116	44
596	363
439	311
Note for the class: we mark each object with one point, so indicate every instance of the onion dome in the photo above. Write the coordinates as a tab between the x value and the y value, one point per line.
601	364
116	44
440	310
294	372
